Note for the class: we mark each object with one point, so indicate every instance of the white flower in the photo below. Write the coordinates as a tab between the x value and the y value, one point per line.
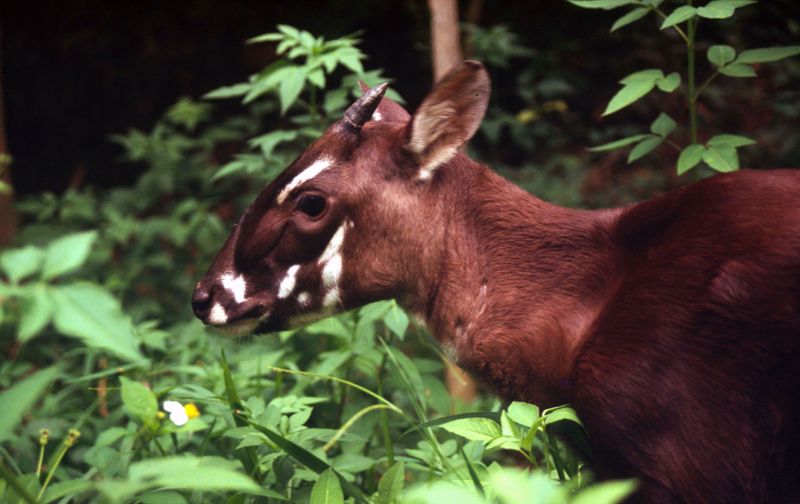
177	413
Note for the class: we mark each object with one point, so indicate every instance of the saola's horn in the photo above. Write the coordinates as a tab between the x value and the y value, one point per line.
359	112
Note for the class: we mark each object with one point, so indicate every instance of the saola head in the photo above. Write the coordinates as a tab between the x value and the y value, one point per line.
351	220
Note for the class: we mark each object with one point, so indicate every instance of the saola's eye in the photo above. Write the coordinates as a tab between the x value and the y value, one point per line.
311	205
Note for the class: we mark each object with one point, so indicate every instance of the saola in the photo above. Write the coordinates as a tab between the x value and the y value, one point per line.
672	326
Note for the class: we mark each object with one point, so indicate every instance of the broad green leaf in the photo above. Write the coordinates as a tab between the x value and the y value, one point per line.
631	17
560	414
351	58
601	4
663	125
67	253
669	83
650	74
679	15
738	70
396	320
86	311
644	147
721	9
327	489
269	141
20	397
523	413
443	420
192	473
228	91
721	55
391	484
290	87
767	54
475	429
690	157
722	159
139	400
317	78
617	144
730	141
629	94
20	263
267	37
68	488
609	492
22	489
36	310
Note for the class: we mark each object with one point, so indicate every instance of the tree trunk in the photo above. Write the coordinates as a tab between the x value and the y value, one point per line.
8	217
446	53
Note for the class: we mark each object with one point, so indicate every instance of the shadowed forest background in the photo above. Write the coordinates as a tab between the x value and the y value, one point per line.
127	153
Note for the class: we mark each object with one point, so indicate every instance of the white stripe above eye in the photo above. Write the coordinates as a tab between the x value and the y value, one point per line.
309	173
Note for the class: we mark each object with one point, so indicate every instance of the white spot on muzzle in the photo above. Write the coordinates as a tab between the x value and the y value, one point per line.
309	173
235	285
331	298
217	315
289	281
331	262
303	298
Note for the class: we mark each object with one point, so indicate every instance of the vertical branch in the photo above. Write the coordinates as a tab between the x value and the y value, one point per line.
8	217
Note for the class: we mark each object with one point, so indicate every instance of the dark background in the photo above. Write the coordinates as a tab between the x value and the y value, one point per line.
76	71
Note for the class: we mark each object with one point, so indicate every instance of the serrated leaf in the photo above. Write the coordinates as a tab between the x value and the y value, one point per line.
629	94
327	489
669	83
721	55
767	54
738	70
730	141
663	125
721	159
36	310
617	144
474	429
67	253
20	397
601	4
690	157
391	484
17	264
86	311
644	147
679	15
139	401
631	17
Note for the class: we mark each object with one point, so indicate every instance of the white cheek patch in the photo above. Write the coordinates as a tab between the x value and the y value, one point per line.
331	262
288	283
217	315
303	299
317	167
331	298
376	116
332	271
334	246
235	285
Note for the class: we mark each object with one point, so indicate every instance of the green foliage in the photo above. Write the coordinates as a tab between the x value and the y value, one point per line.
719	153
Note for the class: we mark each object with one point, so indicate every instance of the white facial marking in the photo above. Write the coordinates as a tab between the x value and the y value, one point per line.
334	246
287	284
235	285
376	116
331	262
309	173
331	298
303	298
217	315
332	271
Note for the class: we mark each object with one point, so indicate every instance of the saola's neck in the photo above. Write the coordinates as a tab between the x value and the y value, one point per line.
520	283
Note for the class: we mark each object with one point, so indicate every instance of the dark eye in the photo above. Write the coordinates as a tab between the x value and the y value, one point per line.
311	204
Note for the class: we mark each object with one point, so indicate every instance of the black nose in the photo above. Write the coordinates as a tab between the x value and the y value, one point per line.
201	302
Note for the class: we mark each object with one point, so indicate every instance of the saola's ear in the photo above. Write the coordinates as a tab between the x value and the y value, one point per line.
387	110
449	116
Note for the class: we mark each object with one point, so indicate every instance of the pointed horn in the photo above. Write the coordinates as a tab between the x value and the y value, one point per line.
359	112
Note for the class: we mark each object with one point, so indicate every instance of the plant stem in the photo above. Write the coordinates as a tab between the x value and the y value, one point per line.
676	27
705	84
14	483
691	92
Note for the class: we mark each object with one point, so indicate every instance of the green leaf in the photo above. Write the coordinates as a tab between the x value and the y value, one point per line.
631	17
721	55
561	414
722	159
239	89
20	397
20	263
617	144
738	70
290	87
139	400
192	473
474	429
722	9
88	312
669	83
351	58
391	484
767	54
650	74
327	489
523	413
601	4
663	125
67	253
628	95
269	141
609	492
730	141
645	147
690	156
36	310
267	37
69	488
396	320
447	419
679	15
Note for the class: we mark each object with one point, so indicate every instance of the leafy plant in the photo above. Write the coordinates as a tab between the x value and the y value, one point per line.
720	151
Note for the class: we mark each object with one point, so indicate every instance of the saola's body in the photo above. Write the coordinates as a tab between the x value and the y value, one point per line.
672	326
